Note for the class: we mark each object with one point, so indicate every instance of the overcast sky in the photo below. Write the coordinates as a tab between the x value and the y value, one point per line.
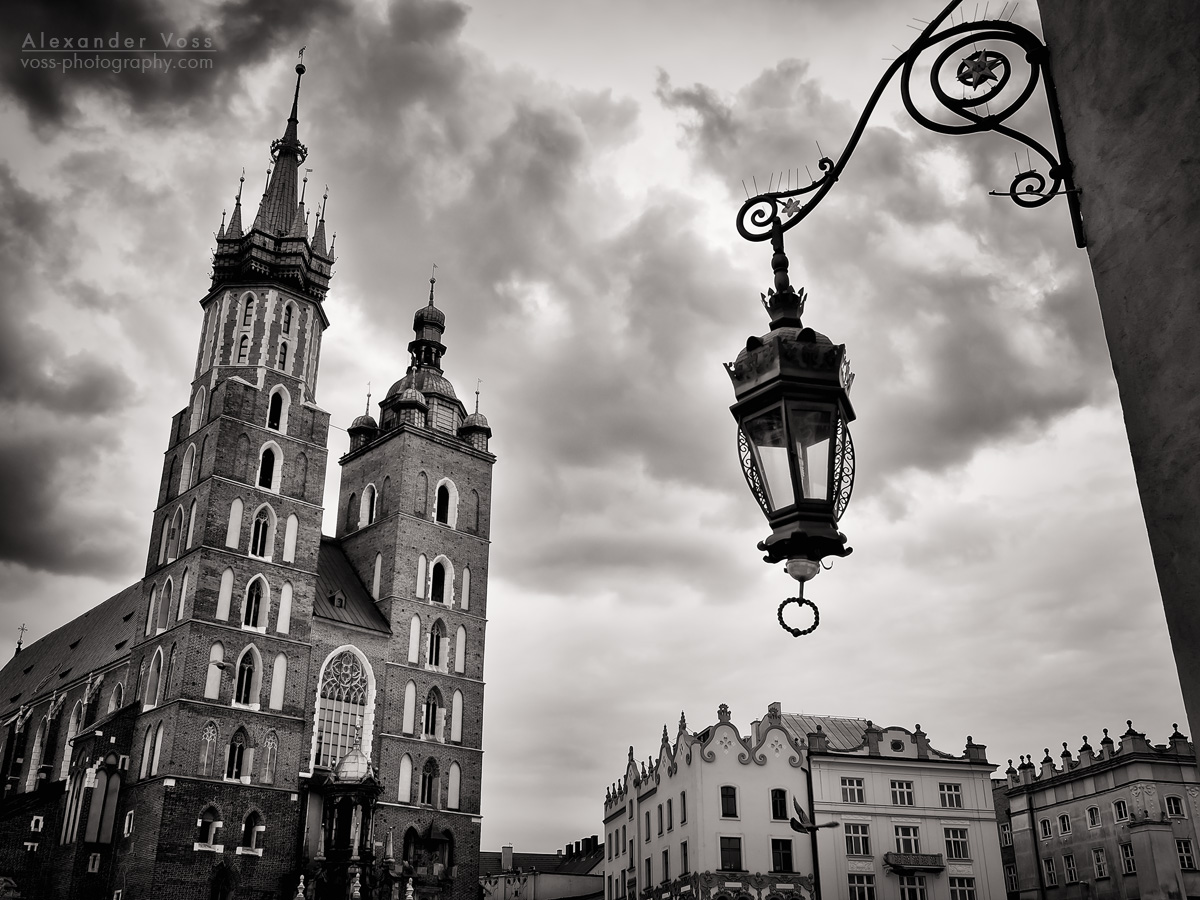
574	169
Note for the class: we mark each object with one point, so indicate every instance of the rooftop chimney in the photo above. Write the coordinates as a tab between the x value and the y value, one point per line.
506	860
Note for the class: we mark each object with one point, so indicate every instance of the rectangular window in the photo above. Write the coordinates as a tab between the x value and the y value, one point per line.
951	795
962	888
731	854
631	809
956	844
1099	863
779	808
729	802
1064	824
1005	835
1175	807
94	862
852	792
858	839
1184	849
1069	872
862	887
683	807
660	818
1010	879
684	869
624	839
1049	872
1121	811
781	854
1093	817
647	826
908	839
902	793
666	864
129	823
649	873
670	816
1128	866
1047	830
912	887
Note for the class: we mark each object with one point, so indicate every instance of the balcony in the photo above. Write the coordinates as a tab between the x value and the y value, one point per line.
908	863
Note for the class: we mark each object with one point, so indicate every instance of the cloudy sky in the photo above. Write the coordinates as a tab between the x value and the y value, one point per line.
574	169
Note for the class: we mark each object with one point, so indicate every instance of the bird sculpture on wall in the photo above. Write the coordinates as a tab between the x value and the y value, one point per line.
804	825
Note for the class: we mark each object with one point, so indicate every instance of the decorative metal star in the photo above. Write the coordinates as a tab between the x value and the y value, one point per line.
792	207
977	68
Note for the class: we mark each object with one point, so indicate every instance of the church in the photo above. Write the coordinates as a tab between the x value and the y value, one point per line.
271	712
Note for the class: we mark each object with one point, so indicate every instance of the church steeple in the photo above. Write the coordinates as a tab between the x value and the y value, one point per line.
429	324
278	207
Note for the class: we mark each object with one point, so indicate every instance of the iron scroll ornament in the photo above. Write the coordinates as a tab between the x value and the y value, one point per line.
985	74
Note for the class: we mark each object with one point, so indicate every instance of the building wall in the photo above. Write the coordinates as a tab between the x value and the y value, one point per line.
1128	77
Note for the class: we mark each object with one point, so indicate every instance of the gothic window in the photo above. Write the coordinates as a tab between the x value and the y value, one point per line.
174	535
73	805
225	595
243	350
456	708
208	749
102	812
208	825
410	704
254	609
344	699
460	650
197	410
191	528
435	645
429	782
252	827
216	664
414	639
72	730
431	722
249	678
236	757
376	576
283	622
166	680
437	592
465	591
183	586
404	794
453	787
289	538
351	511
187	472
156	753
248	310
443	504
115	699
278	681
287	319
366	507
422	564
147	751
233	531
275	413
153	680
270	756
283	355
164	605
262	538
266	469
152	609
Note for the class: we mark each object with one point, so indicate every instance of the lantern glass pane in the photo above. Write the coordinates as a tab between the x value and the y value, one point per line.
811	434
767	437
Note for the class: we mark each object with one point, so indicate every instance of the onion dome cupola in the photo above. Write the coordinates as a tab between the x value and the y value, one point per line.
429	324
277	246
475	429
364	429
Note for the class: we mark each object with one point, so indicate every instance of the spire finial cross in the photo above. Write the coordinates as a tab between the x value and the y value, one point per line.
478	382
432	280
301	59
21	635
367	412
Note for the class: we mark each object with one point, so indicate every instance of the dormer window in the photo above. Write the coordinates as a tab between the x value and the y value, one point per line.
337	600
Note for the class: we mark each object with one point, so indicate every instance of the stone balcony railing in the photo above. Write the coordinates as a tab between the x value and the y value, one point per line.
904	863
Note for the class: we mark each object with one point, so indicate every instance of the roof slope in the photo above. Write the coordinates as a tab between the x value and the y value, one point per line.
335	575
843	733
99	637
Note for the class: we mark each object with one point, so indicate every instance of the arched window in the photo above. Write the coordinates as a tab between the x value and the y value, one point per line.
344	707
270	755
156	753
208	749
437	588
197	409
249	678
262	538
103	809
166	679
116	698
351	512
283	622
254	607
429	782
72	730
183	586
287	319
243	356
189	464
443	504
1064	824
266	469
465	591
435	714
435	646
164	605
278	681
153	681
376	575
209	824
366	507
460	650
275	415
216	664
414	639
174	535
404	794
456	710
453	787
147	751
283	355
289	538
233	532
225	595
152	609
236	756
422	566
191	529
410	706
247	310
252	827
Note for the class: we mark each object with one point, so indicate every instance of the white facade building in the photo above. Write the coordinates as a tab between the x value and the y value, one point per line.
710	818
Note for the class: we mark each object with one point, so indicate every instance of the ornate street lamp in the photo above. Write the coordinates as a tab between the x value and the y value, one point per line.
792	384
793	412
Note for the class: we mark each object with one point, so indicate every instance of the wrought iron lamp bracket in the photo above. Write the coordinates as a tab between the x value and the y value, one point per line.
985	74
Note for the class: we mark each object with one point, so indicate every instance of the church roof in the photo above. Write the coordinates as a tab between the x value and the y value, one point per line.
341	595
99	637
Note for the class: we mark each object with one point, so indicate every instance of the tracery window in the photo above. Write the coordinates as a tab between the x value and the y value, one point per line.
431	723
343	697
252	614
429	782
237	752
270	755
208	749
287	319
245	680
259	539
